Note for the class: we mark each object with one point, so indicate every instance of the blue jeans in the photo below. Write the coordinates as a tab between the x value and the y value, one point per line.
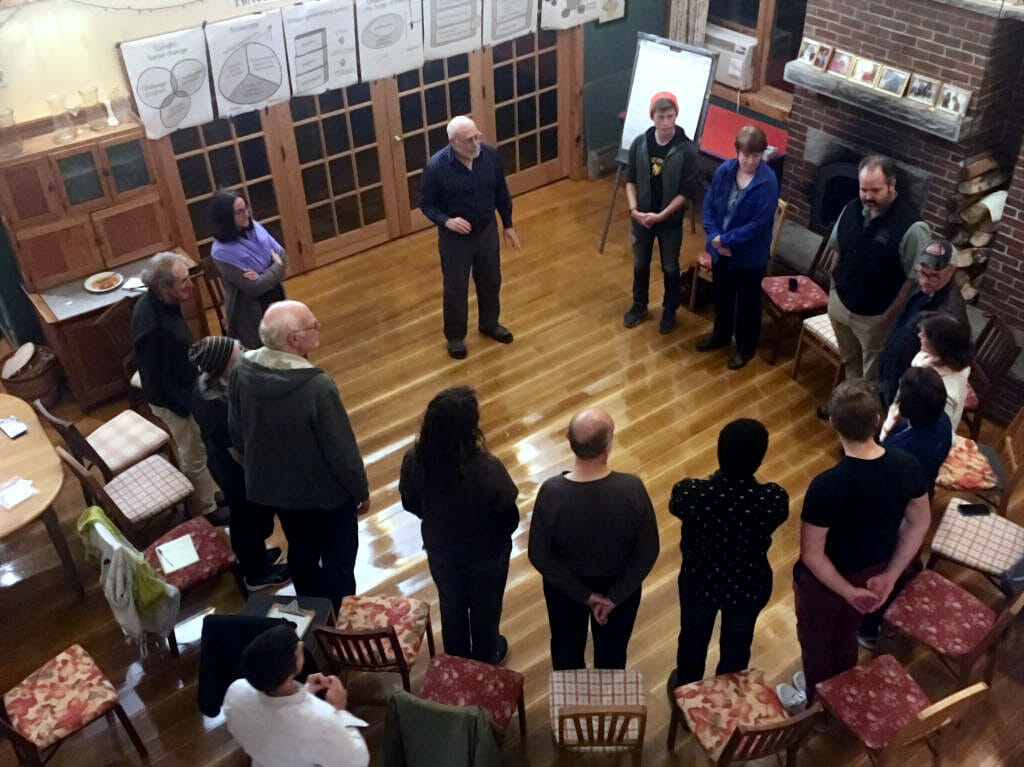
670	240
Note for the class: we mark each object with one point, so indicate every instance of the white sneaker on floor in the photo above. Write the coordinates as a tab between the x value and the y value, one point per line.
791	698
800	683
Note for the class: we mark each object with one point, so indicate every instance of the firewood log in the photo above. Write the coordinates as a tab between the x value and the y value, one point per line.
984	183
980	163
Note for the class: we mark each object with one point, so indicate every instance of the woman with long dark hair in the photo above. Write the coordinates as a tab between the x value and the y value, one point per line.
467	502
251	263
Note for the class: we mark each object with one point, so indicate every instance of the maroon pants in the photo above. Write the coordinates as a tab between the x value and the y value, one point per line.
826	625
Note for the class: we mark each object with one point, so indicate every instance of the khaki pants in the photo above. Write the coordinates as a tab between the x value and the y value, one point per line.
861	339
191	456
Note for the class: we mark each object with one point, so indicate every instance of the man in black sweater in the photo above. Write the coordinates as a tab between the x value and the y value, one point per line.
301	459
594	539
162	340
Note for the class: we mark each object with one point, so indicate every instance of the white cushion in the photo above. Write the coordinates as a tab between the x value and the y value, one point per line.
821	326
126	439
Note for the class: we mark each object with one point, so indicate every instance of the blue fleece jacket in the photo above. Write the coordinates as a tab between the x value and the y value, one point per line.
749	235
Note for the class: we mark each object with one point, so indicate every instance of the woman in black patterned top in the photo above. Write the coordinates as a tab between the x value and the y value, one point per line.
728	521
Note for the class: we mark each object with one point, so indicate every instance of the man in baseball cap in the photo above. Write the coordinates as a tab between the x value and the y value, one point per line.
934	292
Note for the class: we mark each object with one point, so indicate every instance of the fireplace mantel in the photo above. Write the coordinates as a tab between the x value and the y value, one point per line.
901	110
1012	9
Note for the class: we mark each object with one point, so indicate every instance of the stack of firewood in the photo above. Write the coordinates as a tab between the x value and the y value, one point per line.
975	211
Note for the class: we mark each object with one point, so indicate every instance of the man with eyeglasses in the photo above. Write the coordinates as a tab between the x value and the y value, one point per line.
301	459
461	187
934	292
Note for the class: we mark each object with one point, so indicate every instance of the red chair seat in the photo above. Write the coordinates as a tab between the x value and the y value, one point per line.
875	701
59	698
212	546
464	682
807	297
938	613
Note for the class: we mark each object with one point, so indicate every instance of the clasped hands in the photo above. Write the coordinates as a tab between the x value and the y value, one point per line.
646	220
334	691
601	606
872	595
717	245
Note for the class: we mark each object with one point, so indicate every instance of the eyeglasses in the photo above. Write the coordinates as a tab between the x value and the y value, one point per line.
243	209
927	274
314	326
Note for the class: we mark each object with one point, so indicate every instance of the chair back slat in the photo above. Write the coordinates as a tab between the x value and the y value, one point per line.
757	741
994	353
363	650
940	714
215	286
781	214
602	726
116	325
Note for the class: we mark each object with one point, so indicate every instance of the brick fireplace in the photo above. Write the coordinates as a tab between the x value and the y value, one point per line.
966	43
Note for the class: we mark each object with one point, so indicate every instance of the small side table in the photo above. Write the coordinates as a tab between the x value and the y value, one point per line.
258	604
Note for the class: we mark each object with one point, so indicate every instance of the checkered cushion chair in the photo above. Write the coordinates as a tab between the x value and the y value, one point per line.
56	700
464	682
126	439
990	543
817	333
147	488
609	689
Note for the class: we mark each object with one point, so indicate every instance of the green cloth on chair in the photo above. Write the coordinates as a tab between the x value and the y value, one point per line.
149	587
421	733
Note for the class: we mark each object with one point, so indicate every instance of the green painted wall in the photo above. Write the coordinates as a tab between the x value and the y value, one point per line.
608	51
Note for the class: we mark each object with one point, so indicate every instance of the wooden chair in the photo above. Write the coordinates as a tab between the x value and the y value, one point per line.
889	725
995	352
818	334
598	710
215	287
702	269
368	638
136	496
115	324
55	701
989	543
954	624
788	308
463	682
116	445
1007	460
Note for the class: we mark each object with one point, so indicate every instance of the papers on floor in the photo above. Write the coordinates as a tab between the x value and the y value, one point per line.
15	490
292	612
176	554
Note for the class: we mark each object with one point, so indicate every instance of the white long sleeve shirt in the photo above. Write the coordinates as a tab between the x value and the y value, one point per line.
299	730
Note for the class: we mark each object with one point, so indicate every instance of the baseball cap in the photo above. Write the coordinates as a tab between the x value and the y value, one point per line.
937	254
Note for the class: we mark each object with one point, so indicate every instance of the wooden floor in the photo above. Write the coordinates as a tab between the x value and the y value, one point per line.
382	342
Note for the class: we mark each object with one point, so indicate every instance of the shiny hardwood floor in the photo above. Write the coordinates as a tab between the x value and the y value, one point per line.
380	313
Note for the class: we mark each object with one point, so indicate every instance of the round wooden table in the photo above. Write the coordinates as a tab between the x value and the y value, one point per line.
31	456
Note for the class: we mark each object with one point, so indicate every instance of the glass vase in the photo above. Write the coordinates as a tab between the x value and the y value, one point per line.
10	137
95	113
63	127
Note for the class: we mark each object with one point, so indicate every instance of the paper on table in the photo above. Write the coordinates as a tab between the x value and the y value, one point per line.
16	490
176	554
133	283
301	622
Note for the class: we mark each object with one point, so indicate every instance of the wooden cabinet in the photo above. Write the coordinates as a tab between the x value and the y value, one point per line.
53	253
80	179
127	167
132	230
28	193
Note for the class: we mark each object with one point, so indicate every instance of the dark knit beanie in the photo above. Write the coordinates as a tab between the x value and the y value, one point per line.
212	354
741	447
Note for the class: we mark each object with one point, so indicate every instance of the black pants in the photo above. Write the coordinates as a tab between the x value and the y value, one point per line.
737	298
670	240
569	620
470	594
478	253
696	622
322	546
250	524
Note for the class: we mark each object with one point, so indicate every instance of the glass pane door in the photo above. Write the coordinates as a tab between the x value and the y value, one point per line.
128	168
79	178
228	154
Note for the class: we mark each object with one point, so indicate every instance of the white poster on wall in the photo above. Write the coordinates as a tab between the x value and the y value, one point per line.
508	19
169	79
450	27
390	37
250	66
321	41
563	14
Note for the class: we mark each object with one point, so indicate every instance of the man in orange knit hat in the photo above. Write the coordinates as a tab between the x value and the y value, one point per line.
661	180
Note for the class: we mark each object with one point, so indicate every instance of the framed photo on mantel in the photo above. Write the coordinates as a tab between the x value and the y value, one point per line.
954	100
924	90
865	72
840	64
892	81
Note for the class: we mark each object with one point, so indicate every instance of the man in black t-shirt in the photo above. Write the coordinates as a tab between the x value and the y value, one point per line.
863	523
661	179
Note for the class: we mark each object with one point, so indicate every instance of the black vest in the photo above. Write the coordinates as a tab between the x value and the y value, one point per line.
869	273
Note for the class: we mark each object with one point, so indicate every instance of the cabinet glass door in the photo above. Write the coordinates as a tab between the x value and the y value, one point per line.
126	162
80	179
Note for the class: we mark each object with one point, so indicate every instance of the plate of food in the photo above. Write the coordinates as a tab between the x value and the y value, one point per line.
103	282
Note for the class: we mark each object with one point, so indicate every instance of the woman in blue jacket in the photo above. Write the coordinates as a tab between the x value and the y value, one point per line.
739	211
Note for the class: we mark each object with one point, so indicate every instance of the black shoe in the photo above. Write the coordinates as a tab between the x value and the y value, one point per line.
219	517
710	343
499	333
277	575
501	653
668	321
673	683
738	360
457	350
822	412
637	313
274	554
867	641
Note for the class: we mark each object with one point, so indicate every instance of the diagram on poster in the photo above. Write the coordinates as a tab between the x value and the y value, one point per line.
321	41
508	19
248	59
390	37
563	14
450	27
169	79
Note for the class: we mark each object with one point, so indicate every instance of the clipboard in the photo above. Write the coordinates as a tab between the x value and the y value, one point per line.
301	619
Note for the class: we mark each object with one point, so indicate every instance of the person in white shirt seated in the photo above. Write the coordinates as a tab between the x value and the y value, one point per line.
282	723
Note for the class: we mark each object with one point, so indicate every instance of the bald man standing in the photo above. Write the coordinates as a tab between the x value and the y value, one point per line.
301	459
594	539
461	187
